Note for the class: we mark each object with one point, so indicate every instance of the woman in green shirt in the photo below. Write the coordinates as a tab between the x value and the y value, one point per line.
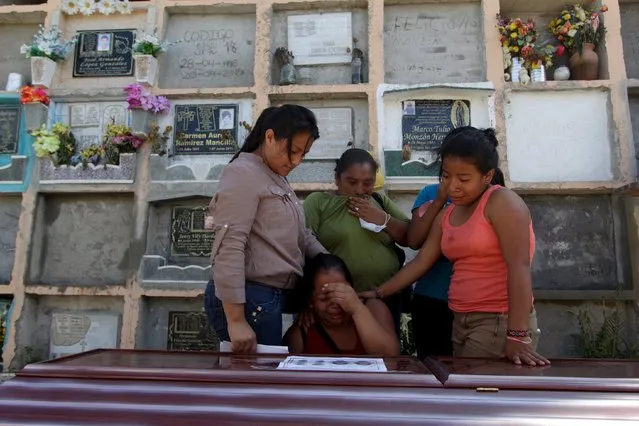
358	225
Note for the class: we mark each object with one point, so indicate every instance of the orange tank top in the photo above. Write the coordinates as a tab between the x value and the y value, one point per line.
480	274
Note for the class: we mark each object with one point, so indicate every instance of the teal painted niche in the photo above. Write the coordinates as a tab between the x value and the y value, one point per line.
16	180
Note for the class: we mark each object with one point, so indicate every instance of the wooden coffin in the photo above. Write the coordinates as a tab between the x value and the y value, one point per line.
121	387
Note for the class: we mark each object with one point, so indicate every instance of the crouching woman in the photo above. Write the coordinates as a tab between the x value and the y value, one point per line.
343	323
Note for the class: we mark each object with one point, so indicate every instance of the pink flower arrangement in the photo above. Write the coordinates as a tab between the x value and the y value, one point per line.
138	98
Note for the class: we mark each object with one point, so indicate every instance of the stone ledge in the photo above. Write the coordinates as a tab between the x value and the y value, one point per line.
124	173
157	274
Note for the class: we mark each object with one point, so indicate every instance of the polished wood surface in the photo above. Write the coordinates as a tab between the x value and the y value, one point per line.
117	387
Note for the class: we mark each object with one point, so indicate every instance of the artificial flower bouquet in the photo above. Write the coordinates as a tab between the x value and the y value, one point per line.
150	44
576	26
48	44
89	7
517	37
31	94
58	144
138	98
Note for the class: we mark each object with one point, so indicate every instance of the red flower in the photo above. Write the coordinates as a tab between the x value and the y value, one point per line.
560	50
30	94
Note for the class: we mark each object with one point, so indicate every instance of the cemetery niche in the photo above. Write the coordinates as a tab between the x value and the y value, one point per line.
13	158
104	53
204	137
93	145
341	127
319	48
178	246
205	129
424	125
73	333
190	331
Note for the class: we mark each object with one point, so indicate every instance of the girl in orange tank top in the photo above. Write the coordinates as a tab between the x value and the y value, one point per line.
487	234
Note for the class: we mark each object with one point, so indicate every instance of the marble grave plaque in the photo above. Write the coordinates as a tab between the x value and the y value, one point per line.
205	129
104	53
323	38
336	132
9	127
80	332
426	122
189	236
190	331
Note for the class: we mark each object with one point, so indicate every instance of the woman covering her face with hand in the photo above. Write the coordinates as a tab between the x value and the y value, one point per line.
487	234
343	323
358	225
260	237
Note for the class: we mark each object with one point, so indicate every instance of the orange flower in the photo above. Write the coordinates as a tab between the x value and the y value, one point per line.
604	8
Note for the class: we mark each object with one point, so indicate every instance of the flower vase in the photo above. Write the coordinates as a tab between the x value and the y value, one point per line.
288	74
538	74
562	73
146	69
35	115
140	120
585	65
514	69
42	71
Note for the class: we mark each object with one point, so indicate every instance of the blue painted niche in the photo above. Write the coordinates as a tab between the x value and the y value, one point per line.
16	168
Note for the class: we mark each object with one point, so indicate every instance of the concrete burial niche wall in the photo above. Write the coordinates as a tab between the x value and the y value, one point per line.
10	209
98	23
156	328
82	239
11	60
633	101
178	247
218	50
449	35
325	73
38	338
560	328
576	248
391	113
630	37
329	147
577	149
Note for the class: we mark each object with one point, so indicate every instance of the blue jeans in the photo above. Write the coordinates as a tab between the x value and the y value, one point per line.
263	312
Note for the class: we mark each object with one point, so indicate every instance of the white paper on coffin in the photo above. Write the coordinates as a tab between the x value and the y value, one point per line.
312	363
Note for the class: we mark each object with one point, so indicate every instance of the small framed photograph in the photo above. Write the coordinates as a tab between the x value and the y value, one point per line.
227	119
409	107
104	42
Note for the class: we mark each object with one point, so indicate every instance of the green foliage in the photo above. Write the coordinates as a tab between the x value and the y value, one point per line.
609	339
406	336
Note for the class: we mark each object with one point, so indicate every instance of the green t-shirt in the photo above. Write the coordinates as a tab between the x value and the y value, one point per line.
369	256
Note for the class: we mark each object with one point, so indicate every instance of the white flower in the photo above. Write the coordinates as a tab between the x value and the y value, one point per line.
24	49
106	7
86	7
124	7
70	7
